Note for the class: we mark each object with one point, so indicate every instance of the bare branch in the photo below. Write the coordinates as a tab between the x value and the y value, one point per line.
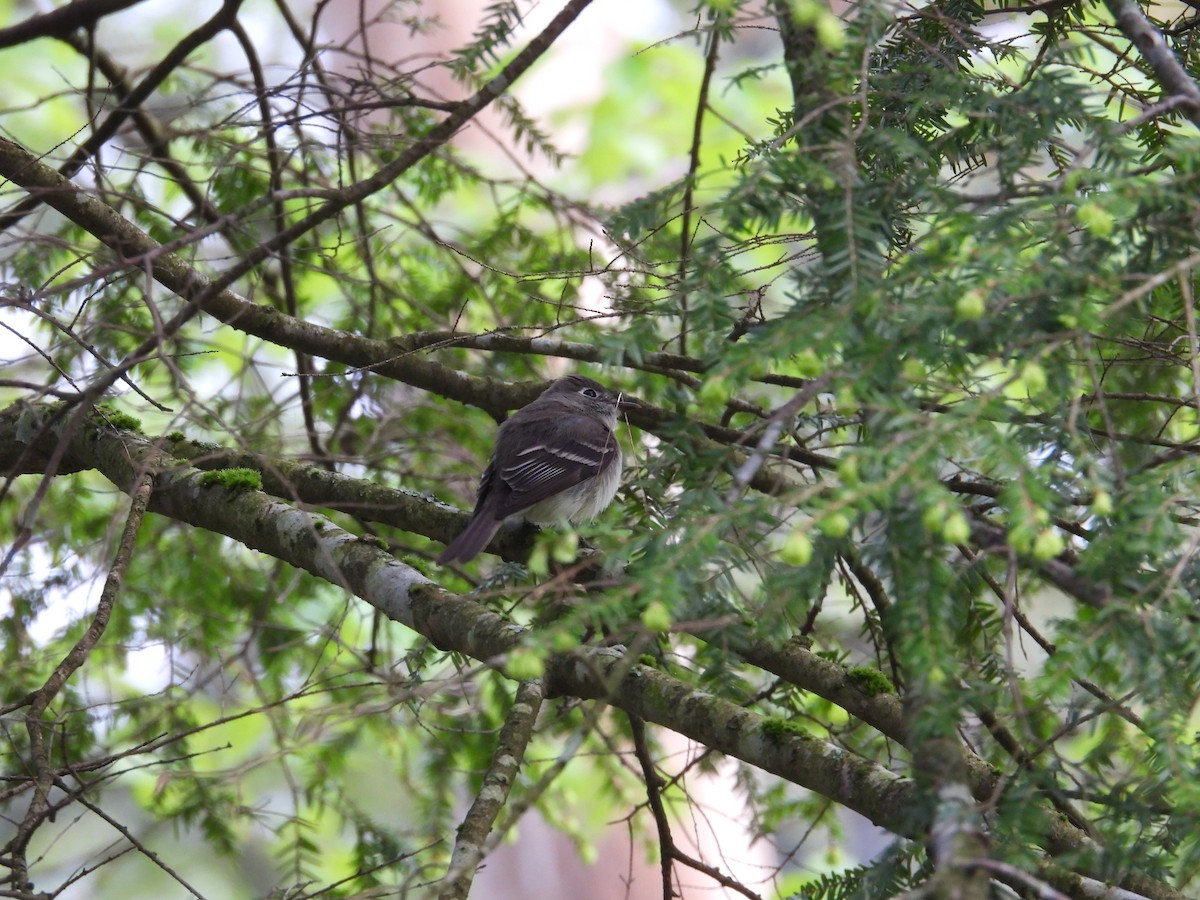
1149	40
63	21
493	792
40	700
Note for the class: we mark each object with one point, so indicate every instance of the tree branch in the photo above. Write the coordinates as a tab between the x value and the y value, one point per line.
452	622
131	102
63	21
39	701
497	782
1171	74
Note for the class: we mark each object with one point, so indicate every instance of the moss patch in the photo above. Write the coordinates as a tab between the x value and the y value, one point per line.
233	479
119	420
778	729
871	681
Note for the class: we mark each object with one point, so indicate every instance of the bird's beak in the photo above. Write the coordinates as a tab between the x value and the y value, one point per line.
627	402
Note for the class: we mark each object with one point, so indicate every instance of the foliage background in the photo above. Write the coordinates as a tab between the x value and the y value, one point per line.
908	524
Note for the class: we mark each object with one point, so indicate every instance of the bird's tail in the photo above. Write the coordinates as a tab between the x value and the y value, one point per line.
470	540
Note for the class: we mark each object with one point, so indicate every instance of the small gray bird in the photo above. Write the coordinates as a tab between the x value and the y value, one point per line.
555	459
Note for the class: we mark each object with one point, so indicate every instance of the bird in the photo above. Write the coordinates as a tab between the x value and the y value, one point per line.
555	459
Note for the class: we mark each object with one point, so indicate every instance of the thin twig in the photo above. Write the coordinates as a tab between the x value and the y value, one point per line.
35	722
689	182
654	786
138	845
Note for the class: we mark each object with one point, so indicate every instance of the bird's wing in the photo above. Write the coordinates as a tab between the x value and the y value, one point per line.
576	449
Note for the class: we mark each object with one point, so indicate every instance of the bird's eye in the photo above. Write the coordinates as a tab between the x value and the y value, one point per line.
589	392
